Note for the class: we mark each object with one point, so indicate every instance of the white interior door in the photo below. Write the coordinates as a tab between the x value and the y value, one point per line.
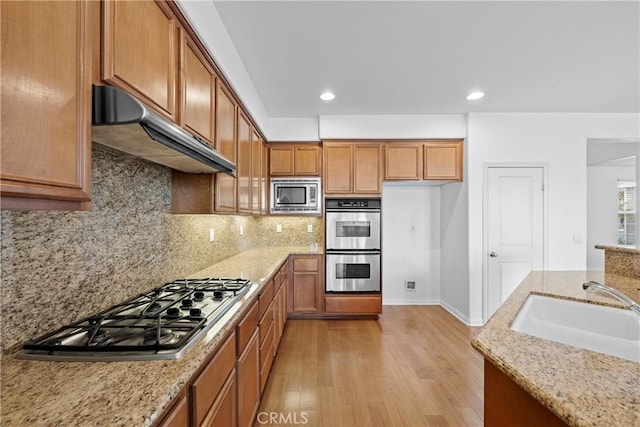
515	230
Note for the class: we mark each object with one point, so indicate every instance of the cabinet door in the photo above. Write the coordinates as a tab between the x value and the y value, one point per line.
338	172
140	51
198	92
46	105
264	181
307	160
367	169
223	412
248	371
443	160
306	287
244	164
178	416
225	197
256	172
282	159
403	161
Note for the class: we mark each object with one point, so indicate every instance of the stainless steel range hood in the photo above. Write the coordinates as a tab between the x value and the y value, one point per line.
122	122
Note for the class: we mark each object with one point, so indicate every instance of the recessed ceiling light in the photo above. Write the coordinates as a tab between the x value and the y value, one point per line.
327	96
475	95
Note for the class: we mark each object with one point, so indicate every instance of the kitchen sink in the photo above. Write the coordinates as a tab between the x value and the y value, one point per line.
608	330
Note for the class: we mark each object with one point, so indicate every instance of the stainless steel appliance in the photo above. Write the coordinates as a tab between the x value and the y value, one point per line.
122	122
296	195
160	324
352	245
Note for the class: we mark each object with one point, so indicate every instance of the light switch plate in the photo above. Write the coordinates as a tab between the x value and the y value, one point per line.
212	235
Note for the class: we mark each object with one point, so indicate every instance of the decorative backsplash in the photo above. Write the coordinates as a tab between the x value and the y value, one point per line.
60	266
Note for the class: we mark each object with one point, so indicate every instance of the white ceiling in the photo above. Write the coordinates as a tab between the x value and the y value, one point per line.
423	57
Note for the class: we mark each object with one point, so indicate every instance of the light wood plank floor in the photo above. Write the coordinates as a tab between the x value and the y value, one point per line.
412	367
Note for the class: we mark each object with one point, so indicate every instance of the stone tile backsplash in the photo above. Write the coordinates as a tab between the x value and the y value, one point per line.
60	266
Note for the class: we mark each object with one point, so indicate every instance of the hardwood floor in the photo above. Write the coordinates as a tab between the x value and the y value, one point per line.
412	367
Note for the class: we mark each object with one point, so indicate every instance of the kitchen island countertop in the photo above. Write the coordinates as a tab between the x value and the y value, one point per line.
127	394
582	387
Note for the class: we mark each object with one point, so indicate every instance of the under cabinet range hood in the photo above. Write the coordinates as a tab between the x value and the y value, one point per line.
122	122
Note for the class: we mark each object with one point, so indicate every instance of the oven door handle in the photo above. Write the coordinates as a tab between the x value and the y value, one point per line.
352	251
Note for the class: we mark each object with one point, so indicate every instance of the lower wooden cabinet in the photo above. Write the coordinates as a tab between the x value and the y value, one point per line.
223	411
353	304
178	415
248	374
306	285
209	387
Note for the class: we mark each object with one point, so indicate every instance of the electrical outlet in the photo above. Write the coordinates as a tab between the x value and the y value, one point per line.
241	230
410	285
212	235
278	228
310	228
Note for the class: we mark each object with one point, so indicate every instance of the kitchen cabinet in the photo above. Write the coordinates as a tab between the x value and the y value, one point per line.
140	51
508	404
306	286
197	101
226	144
248	367
46	104
245	148
423	160
352	168
256	172
443	160
302	159
266	331
361	304
264	181
213	391
403	161
178	414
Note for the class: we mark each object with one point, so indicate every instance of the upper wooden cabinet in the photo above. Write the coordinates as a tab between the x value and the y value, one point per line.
140	51
424	160
197	100
244	164
352	168
295	159
46	104
226	144
257	152
443	160
264	180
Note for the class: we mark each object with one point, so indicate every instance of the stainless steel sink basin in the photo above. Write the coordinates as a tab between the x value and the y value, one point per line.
608	330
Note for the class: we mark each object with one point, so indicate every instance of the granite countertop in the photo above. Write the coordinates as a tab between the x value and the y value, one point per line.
127	394
582	387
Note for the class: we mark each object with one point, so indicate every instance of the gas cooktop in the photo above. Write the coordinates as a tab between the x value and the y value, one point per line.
160	324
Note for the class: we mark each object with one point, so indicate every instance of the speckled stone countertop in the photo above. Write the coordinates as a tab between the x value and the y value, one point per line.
127	394
582	387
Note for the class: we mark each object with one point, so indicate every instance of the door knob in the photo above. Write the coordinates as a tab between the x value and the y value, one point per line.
493	254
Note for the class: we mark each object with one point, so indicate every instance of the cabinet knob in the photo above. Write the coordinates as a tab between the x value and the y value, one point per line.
493	254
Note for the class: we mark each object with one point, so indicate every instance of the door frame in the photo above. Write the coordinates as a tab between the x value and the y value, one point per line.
485	220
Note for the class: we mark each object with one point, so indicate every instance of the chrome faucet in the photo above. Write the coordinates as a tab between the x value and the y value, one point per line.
592	285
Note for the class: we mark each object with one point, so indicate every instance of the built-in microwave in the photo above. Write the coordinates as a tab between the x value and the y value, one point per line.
296	195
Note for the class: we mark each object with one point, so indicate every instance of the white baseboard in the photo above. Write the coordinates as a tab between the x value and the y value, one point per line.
456	313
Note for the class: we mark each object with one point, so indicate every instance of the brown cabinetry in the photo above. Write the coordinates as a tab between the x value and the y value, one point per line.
178	414
140	51
256	172
226	144
197	100
46	104
423	160
352	168
211	394
244	164
353	304
443	160
248	372
301	159
306	285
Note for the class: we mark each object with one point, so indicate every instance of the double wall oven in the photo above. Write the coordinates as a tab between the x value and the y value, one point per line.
352	245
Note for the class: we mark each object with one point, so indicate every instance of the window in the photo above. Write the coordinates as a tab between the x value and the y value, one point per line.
626	213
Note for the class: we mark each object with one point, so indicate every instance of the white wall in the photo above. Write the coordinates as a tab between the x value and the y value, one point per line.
392	127
293	129
602	209
559	140
410	254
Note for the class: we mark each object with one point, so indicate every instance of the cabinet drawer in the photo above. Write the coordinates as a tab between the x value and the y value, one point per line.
205	389
266	323
246	328
265	298
355	304
266	358
305	264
